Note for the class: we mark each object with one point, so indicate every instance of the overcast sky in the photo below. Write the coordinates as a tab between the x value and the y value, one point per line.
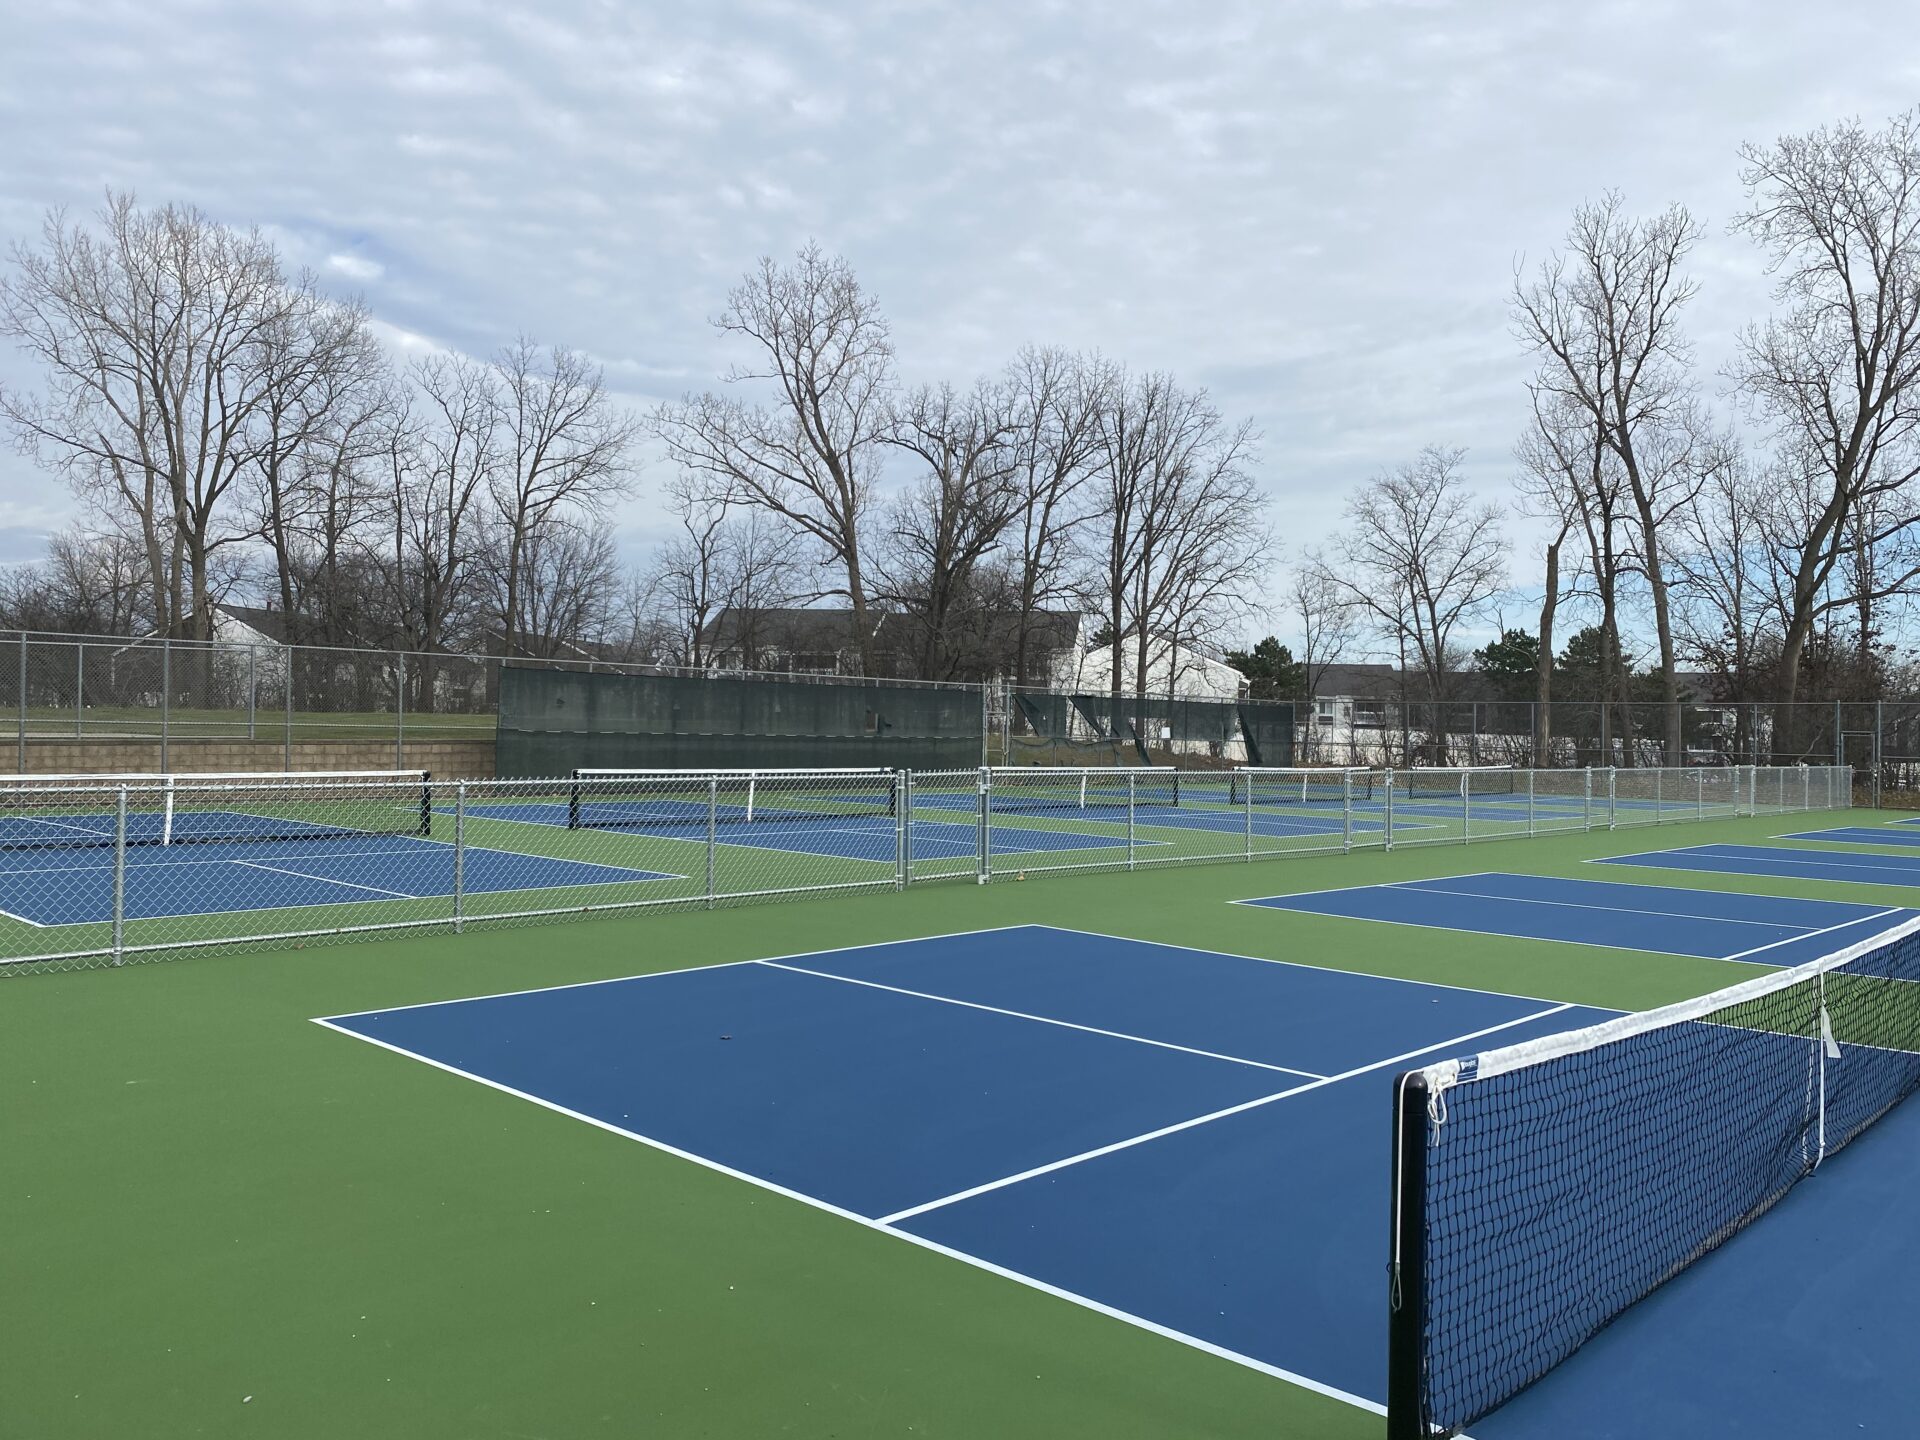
1312	209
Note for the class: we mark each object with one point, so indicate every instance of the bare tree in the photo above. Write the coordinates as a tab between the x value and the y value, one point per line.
1724	606
1328	625
86	585
440	458
952	513
1605	318
810	456
1562	472
563	460
569	574
1837	372
326	401
1182	532
1056	444
1419	559
150	335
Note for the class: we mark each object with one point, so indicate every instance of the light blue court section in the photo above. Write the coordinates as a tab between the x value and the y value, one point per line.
842	837
1195	1140
1800	1325
1782	861
75	886
1860	835
1658	918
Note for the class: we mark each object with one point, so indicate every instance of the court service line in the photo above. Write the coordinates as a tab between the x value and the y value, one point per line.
1046	1020
1174	1129
1814	934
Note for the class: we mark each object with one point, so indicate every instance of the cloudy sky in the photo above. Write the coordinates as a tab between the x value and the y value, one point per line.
1312	209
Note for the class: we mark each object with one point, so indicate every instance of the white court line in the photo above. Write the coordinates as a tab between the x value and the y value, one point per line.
1254	1104
1814	934
217	860
23	920
1271	903
329	880
680	970
1427	886
867	1222
1045	1020
1787	862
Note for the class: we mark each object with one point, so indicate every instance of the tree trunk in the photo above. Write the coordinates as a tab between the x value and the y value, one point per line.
1543	666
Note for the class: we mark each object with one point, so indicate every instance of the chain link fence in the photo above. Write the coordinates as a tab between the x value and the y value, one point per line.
102	871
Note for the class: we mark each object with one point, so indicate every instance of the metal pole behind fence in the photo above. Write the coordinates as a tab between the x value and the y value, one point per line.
399	710
1246	820
120	876
1346	811
1133	782
459	855
1530	802
1586	804
713	832
1466	809
1387	818
1613	797
166	701
79	691
253	689
1699	794
286	762
1879	721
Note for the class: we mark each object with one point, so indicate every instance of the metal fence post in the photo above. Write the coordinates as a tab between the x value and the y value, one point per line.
459	855
1346	812
1387	818
713	832
1586	804
399	710
1879	723
1659	798
1466	808
79	690
253	689
1613	796
21	765
1530	775
983	829
120	877
166	700
1699	794
903	828
287	730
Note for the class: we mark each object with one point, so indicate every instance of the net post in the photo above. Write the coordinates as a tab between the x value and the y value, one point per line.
1387	817
573	801
459	855
120	877
1407	1264
1346	812
1133	785
166	821
713	832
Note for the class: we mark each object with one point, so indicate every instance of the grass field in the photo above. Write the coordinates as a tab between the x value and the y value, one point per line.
226	1221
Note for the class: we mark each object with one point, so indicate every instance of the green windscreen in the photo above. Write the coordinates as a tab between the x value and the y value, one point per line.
553	722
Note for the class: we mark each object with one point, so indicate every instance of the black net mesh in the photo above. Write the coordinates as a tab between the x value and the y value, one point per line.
1567	1178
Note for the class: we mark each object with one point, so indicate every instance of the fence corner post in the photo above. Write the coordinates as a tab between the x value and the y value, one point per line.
459	855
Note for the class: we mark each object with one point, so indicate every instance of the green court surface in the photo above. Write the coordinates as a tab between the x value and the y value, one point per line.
224	1220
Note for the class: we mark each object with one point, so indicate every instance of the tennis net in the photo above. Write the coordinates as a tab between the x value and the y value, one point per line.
1266	786
607	799
53	812
1044	790
1543	1188
1452	782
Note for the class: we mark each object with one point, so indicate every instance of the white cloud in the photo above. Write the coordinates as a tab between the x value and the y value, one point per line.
355	267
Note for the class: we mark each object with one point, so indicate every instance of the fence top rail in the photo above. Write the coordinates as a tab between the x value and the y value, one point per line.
211	777
652	772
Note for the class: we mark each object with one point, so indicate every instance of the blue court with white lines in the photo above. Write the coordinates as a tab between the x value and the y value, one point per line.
1184	1137
1662	919
1853	867
75	886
